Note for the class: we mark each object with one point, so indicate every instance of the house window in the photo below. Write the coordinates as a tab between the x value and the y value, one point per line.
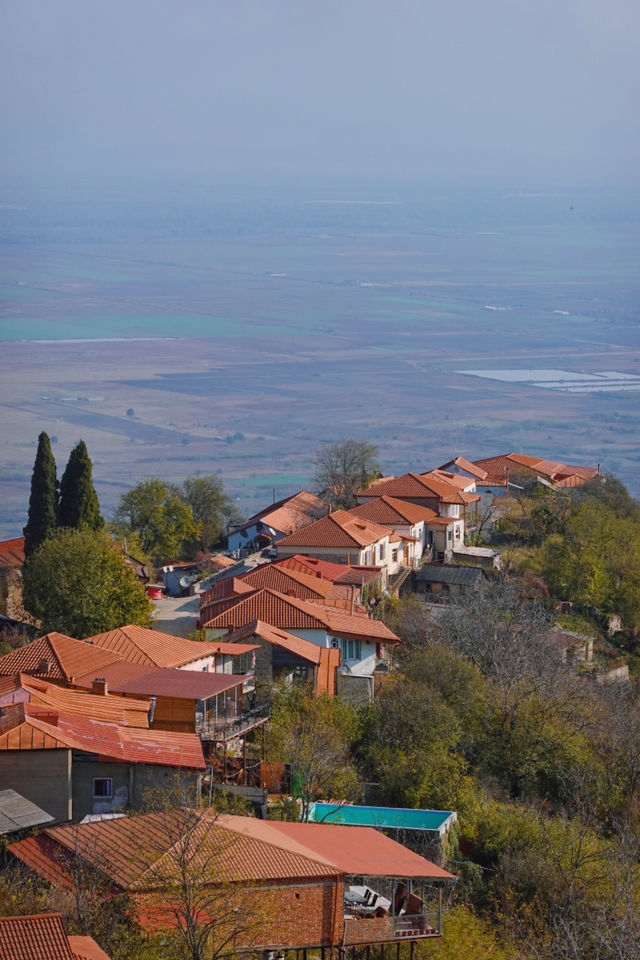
381	551
394	555
457	533
351	649
102	788
449	534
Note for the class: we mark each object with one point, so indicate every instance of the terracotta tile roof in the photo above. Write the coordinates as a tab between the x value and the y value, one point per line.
85	948
76	703
339	573
182	684
34	937
339	529
289	514
31	728
12	553
279	638
454	479
291	614
561	474
240	848
390	510
412	486
467	466
141	645
66	658
302	585
219	560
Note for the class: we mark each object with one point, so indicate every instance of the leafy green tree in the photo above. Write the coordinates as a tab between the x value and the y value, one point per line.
314	734
344	467
79	506
213	509
78	583
43	503
157	514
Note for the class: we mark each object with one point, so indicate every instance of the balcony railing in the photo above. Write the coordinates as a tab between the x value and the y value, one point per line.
417	925
373	929
224	728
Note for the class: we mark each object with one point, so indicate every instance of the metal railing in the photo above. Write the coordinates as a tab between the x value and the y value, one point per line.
227	728
417	925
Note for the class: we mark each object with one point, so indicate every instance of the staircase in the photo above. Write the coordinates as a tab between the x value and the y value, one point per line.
396	581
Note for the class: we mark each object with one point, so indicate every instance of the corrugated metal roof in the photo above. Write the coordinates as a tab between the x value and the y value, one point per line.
42	693
436	573
182	684
18	813
28	728
34	937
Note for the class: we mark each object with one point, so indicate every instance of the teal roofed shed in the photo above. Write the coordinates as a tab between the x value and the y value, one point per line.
384	818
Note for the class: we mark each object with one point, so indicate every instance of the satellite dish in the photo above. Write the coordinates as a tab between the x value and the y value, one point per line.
185	582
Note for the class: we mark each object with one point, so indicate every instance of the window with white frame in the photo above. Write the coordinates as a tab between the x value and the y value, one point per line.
351	649
102	788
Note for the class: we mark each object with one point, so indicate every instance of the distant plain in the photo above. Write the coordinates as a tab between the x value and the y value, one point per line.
233	330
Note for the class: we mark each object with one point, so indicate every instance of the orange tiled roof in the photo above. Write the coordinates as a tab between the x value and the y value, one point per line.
289	514
291	614
35	937
477	472
75	703
339	529
302	585
12	553
279	638
85	948
416	486
390	510
339	573
561	474
66	658
241	848
454	479
24	727
141	645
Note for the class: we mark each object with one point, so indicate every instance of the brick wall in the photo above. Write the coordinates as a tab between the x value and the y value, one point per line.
296	916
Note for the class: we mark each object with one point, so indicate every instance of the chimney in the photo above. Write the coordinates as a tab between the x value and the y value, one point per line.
99	686
353	598
44	666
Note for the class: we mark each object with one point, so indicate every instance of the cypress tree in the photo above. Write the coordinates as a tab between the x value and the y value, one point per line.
43	502
79	506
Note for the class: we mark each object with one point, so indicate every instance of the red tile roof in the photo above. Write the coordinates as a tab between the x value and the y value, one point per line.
339	573
508	464
75	703
182	684
34	937
390	510
66	658
242	848
291	614
85	948
454	479
413	486
467	466
289	514
279	638
12	553
141	645
339	529
30	728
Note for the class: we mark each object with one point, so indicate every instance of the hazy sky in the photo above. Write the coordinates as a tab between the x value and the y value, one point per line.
527	88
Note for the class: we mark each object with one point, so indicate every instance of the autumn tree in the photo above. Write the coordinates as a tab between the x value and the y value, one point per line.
344	467
314	734
43	502
79	506
155	511
78	583
212	508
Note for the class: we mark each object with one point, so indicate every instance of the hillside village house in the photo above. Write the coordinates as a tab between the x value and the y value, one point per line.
277	520
342	537
495	475
295	885
430	534
363	643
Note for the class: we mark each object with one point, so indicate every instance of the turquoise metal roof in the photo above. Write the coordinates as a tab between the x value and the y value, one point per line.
393	818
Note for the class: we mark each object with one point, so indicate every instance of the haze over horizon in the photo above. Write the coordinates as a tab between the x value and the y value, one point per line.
544	91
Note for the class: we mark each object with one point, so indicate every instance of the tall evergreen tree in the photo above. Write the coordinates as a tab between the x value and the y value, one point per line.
79	505
43	502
